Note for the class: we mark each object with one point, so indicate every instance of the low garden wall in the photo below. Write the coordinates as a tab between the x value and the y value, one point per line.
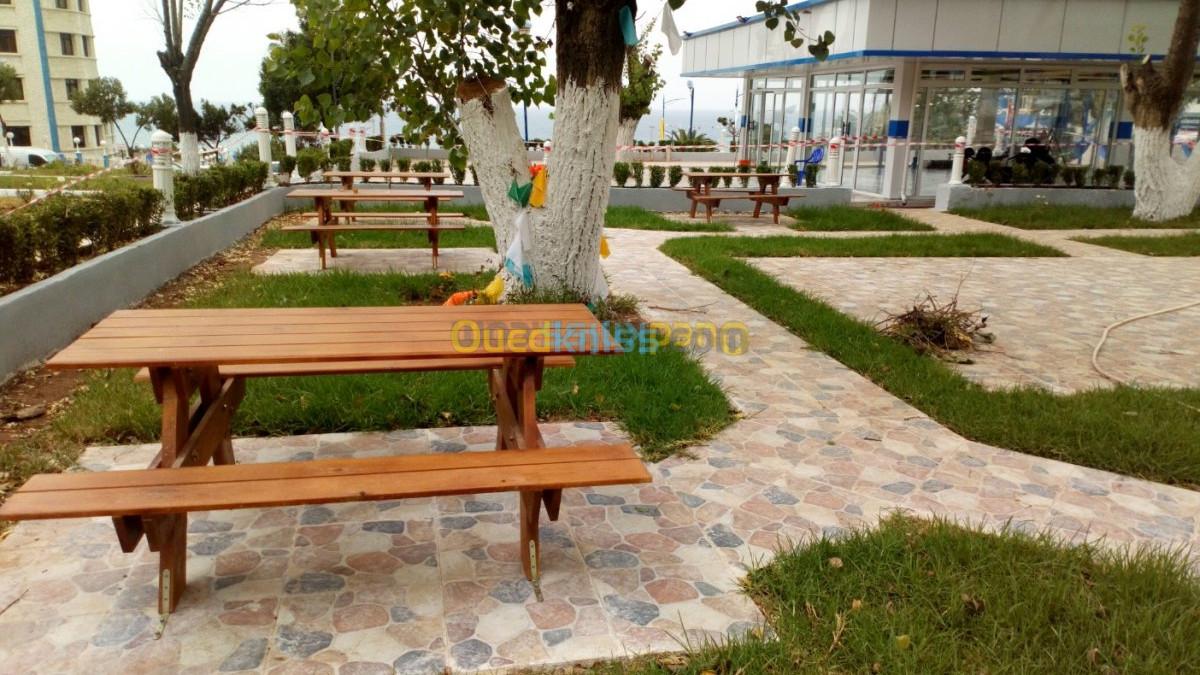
968	197
46	316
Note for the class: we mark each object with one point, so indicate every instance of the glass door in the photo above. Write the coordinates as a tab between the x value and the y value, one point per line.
870	156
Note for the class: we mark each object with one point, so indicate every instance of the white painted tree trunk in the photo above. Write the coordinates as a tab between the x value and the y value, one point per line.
189	153
626	133
1165	188
566	233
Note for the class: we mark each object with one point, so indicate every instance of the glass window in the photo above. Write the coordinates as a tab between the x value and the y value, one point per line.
847	79
21	136
8	41
79	131
943	74
19	87
66	42
760	82
996	75
881	76
1098	76
795	83
61	4
87	44
83	5
5	2
823	80
1050	76
776	83
72	87
99	136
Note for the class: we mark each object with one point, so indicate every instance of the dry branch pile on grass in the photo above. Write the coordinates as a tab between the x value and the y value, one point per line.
941	329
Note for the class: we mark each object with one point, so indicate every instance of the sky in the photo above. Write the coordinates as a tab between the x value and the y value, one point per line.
128	35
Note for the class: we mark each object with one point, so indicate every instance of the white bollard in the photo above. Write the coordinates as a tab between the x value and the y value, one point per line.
354	149
164	174
789	161
972	127
289	133
834	175
264	141
956	166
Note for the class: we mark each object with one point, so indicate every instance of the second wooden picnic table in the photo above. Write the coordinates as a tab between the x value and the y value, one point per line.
188	353
425	178
326	227
701	184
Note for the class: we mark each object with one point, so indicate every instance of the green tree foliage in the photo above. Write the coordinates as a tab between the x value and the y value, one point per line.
642	81
218	123
105	98
279	90
159	113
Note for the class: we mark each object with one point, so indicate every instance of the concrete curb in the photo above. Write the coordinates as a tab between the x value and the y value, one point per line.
46	316
967	197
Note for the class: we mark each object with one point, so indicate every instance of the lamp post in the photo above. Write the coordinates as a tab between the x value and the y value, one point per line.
525	30
78	155
692	108
662	123
104	152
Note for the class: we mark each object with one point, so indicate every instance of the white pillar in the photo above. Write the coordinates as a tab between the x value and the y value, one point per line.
793	145
289	133
972	127
899	154
355	148
164	174
956	166
323	136
834	162
264	140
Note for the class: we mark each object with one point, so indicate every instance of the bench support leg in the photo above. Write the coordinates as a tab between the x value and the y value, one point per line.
172	562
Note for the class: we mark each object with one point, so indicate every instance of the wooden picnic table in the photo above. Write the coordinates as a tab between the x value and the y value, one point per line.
326	228
425	178
188	351
701	183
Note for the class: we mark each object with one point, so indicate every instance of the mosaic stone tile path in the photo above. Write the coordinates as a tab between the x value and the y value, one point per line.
1047	314
378	260
417	586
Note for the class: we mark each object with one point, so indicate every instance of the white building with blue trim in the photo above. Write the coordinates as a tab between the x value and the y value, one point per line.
905	78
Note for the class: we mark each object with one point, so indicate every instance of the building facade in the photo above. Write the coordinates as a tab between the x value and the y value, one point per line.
51	45
906	77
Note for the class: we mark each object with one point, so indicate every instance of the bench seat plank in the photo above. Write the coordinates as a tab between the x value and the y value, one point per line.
154	492
361	367
373	227
358	215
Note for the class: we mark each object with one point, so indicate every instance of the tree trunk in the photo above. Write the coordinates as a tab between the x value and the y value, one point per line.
1164	189
566	233
626	133
189	124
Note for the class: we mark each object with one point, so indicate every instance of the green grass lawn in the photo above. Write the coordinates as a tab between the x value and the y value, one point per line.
916	596
1171	245
664	400
637	218
852	218
1135	431
1043	217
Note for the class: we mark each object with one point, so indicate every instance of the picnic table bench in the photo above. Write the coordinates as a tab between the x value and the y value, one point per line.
700	192
212	352
425	178
325	230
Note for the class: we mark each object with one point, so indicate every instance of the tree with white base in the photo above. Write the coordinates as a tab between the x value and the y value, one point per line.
456	70
642	84
1165	188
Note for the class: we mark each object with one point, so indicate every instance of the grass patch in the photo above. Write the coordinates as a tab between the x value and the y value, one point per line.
664	400
1043	217
471	237
637	218
1171	245
916	596
1135	431
851	218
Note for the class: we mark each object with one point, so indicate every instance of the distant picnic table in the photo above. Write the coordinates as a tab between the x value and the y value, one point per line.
702	190
425	178
210	353
326	226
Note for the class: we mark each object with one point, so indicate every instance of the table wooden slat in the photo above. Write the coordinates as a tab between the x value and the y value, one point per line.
374	195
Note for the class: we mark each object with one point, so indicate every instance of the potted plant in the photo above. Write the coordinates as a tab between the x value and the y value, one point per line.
287	164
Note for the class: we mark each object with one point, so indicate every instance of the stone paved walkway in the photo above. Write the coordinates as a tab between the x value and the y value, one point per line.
1046	313
376	260
364	588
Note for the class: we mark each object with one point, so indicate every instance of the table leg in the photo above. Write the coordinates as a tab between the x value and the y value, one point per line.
347	182
433	242
514	392
191	436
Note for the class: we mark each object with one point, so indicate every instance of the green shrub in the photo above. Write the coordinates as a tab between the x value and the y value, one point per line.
217	187
810	175
287	165
342	163
1113	175
976	172
674	175
459	174
658	174
621	173
341	148
422	166
385	165
49	236
744	180
308	161
1020	174
1129	177
403	164
435	165
638	169
366	164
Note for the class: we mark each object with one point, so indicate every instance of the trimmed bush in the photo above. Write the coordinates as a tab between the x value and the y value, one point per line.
385	165
50	236
308	161
638	169
435	165
403	164
674	175
286	165
621	173
658	174
217	187
810	174
366	164
1129	177
459	174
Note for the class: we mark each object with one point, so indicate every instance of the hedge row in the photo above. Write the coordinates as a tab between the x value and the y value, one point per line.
56	233
218	187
